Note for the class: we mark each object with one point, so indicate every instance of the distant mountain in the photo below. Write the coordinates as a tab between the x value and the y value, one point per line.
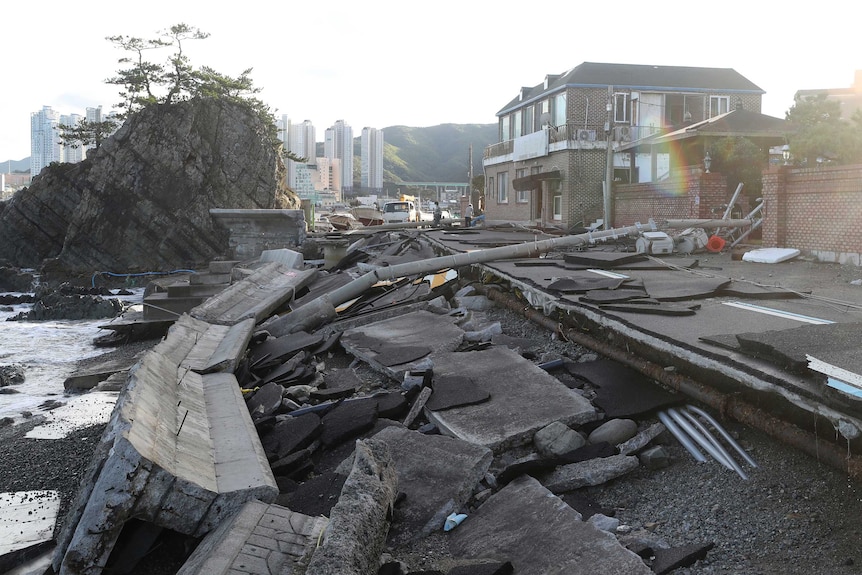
10	166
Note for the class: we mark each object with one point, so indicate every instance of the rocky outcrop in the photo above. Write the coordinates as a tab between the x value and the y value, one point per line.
141	201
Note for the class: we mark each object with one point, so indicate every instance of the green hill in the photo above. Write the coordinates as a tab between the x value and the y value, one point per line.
434	154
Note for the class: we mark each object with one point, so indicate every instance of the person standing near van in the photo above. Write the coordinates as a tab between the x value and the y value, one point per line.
468	215
438	214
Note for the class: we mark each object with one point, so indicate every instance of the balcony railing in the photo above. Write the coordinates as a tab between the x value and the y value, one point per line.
580	134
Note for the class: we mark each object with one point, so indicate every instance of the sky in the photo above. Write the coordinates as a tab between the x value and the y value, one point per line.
380	63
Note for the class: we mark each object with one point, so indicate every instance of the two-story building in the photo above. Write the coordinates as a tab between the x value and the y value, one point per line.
557	140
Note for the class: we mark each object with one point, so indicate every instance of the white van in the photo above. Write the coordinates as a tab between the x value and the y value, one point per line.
400	212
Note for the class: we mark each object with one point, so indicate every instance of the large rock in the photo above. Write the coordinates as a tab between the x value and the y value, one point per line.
141	201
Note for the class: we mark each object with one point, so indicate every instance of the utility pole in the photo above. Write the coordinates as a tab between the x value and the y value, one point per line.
609	162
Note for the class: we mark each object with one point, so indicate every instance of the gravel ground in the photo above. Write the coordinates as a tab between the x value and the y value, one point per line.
792	516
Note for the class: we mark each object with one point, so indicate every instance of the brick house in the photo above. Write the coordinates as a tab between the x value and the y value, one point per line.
557	140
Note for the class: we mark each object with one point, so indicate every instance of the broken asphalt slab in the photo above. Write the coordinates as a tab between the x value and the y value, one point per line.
436	473
523	399
559	541
412	331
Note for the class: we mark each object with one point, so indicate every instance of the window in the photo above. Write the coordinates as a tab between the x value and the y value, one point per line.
516	125
544	113
558	207
718	105
622	108
521	195
560	109
504	129
503	187
529	119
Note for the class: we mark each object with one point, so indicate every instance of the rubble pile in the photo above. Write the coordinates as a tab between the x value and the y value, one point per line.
408	419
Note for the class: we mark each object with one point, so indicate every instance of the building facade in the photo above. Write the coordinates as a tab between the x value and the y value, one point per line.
850	99
301	143
45	144
338	145
371	174
72	153
557	140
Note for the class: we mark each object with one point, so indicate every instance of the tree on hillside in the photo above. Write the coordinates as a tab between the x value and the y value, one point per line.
741	161
821	135
145	83
86	133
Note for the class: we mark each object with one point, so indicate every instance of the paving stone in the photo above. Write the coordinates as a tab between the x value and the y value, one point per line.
259	539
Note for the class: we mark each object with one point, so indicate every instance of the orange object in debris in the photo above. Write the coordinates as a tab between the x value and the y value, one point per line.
715	244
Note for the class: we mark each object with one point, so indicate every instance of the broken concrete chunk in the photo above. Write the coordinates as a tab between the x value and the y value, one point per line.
359	522
592	472
642	439
615	431
556	439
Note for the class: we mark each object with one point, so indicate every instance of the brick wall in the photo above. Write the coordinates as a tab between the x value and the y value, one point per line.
818	211
688	193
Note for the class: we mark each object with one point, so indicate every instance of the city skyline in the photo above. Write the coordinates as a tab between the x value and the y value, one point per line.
459	63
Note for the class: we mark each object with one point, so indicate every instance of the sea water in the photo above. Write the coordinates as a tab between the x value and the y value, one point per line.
48	352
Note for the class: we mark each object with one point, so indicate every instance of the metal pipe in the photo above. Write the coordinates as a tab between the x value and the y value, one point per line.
732	202
754	226
730	405
728	459
680	435
322	310
723	433
698	438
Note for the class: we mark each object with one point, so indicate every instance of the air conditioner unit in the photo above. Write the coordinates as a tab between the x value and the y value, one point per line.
623	133
586	135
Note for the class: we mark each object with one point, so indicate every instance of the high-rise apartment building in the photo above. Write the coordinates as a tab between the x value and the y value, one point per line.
45	144
72	153
338	144
299	139
371	175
